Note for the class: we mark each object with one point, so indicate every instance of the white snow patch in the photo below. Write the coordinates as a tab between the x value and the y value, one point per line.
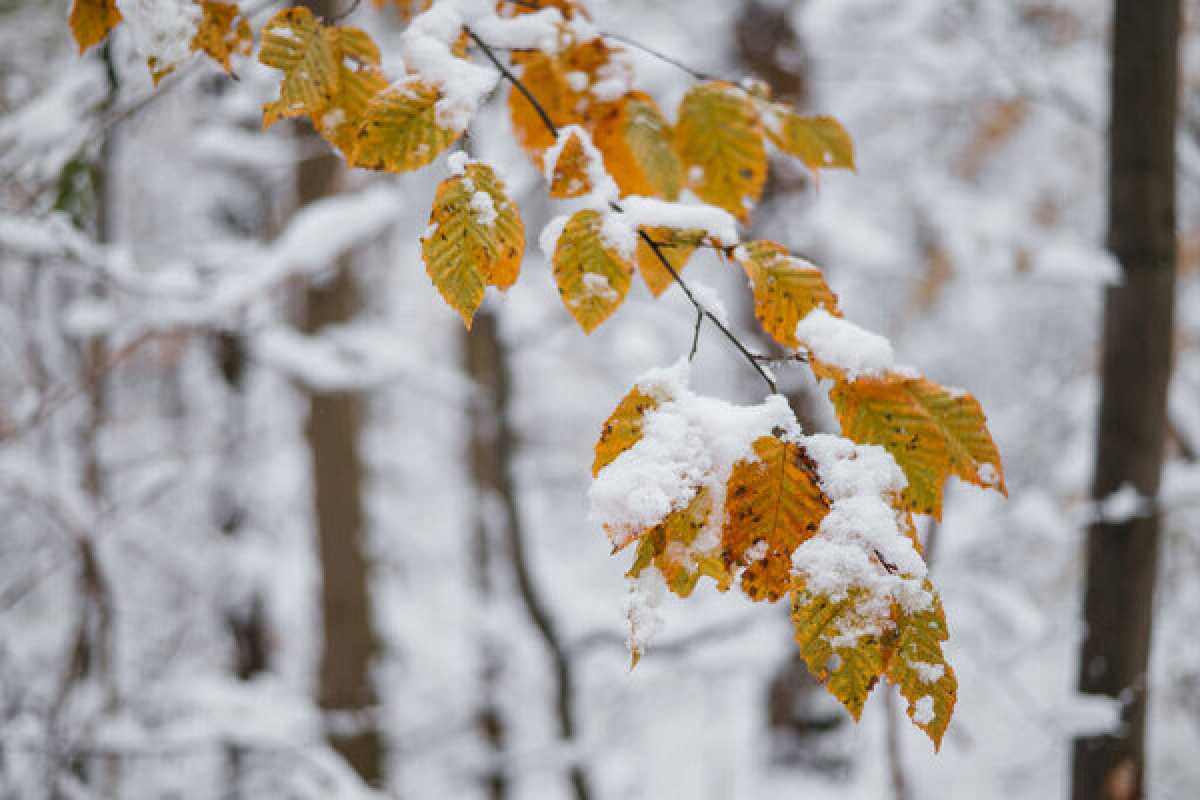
860	543
618	234
483	207
646	593
548	238
456	162
923	710
1123	505
597	285
929	673
717	224
688	443
162	30
844	345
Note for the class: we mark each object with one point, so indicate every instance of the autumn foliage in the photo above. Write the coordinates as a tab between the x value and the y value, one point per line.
825	522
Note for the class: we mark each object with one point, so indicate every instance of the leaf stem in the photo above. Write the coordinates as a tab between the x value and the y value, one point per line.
654	246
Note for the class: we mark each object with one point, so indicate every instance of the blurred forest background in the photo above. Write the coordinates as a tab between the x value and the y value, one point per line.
273	525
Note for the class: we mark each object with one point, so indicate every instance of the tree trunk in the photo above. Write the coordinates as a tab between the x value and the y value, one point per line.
335	421
1122	555
491	360
485	365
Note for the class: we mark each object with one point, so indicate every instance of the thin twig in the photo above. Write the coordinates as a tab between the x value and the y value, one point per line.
674	62
653	245
661	56
696	336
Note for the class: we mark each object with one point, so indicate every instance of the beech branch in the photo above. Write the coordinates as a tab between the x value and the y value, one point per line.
654	246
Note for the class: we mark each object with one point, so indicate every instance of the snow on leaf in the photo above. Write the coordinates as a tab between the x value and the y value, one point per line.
622	429
218	36
720	141
841	649
636	141
931	432
773	503
569	165
466	250
669	547
819	142
293	41
91	20
592	274
918	667
841	350
786	288
400	131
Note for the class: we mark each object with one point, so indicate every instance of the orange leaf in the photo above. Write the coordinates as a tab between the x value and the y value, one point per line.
91	20
772	506
572	169
622	429
677	246
636	141
785	289
218	36
931	432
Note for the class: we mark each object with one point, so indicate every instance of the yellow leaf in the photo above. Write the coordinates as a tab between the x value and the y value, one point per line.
91	20
622	429
400	131
918	667
359	80
592	275
292	41
473	241
636	141
219	36
785	289
931	432
668	546
572	170
820	142
677	246
772	506
837	645
720	141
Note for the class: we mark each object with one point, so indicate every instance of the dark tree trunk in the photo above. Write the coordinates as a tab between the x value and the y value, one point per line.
1122	555
491	360
486	368
335	421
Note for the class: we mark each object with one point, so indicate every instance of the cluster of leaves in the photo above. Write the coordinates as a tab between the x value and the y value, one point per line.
779	498
605	144
222	31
